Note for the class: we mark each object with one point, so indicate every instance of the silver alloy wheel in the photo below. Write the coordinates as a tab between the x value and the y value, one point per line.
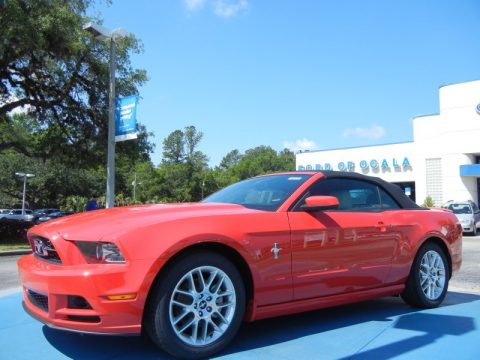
202	305
432	275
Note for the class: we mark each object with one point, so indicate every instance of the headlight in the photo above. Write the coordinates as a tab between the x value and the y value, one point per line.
101	252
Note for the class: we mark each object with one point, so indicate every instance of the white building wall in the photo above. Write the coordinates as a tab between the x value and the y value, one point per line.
454	136
455	186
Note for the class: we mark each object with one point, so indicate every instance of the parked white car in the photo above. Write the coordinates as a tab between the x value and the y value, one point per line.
467	213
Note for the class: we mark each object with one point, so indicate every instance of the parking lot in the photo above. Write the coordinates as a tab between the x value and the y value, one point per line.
379	329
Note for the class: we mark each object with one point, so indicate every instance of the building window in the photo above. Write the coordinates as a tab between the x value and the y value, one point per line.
434	180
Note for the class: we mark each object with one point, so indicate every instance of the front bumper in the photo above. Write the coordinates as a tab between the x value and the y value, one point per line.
75	297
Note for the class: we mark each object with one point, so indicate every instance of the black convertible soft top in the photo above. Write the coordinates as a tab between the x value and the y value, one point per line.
394	190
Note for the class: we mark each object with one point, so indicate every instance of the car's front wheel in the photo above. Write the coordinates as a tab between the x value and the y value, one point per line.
197	306
427	283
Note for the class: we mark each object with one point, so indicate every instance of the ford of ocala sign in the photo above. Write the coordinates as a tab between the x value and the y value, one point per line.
365	165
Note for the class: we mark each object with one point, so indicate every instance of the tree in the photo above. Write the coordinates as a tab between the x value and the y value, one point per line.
54	80
192	138
231	159
183	166
287	160
174	148
262	160
57	73
53	183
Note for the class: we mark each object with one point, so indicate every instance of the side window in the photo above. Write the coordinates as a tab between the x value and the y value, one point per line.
388	203
475	207
352	195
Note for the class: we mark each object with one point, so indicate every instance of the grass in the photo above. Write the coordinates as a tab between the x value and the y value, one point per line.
10	246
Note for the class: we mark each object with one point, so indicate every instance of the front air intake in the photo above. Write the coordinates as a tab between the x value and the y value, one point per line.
37	299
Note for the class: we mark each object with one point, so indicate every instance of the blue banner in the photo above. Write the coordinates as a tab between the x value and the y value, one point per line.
126	118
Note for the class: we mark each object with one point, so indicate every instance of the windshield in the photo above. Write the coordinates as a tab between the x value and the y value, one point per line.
460	208
261	193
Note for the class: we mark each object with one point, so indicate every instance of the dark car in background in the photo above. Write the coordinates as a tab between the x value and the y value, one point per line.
42	213
54	215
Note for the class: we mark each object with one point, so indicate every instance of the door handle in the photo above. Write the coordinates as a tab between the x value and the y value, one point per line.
382	226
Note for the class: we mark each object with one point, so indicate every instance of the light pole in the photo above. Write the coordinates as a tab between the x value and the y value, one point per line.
102	33
25	176
134	184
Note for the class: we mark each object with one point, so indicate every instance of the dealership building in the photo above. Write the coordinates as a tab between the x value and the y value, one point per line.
442	161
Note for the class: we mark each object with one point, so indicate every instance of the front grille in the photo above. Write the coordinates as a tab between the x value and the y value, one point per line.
44	249
39	300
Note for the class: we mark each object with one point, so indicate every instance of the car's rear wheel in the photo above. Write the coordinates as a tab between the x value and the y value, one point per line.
197	306
427	283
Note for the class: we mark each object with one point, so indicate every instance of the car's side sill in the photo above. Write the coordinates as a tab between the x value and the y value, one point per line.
263	312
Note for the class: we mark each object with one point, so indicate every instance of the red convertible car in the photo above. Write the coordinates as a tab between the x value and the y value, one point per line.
189	274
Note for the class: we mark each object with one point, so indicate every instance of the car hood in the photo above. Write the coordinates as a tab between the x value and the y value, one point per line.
464	217
95	225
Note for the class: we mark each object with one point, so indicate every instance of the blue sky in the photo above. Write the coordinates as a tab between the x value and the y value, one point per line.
303	74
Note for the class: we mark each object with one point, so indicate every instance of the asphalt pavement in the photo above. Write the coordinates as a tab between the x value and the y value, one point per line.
9	274
468	278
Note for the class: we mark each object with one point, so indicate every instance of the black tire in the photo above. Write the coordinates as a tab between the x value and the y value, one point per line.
415	293
164	319
474	231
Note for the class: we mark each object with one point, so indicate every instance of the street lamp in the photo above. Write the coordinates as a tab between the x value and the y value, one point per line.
102	33
134	184
25	176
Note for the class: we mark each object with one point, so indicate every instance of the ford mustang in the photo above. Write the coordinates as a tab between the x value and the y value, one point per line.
189	274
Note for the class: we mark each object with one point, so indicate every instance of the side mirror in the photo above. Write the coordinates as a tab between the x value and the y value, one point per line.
314	203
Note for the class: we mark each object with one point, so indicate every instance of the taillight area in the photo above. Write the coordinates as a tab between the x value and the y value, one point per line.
44	249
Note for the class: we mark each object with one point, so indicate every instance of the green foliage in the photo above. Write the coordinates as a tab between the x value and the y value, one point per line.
58	73
231	159
54	76
174	148
262	160
75	203
181	178
182	170
428	202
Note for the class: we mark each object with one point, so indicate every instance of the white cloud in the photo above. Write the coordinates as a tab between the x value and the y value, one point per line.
222	8
300	145
228	8
193	5
374	132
